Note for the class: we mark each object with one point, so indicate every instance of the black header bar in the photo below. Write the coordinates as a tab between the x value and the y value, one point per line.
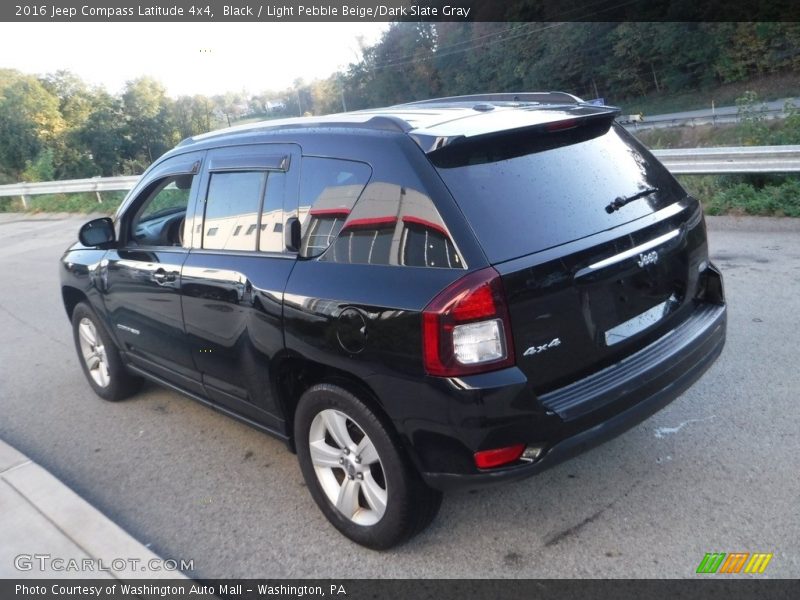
398	10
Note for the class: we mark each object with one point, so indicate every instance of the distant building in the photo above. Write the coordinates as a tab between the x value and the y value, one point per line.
271	105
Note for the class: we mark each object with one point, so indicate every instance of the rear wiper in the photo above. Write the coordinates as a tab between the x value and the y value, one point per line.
621	201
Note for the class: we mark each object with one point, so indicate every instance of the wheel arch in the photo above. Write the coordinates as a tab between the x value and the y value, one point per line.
296	374
72	296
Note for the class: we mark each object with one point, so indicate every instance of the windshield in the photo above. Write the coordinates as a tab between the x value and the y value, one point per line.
535	201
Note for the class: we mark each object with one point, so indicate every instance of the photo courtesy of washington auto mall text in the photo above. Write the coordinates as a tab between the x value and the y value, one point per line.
200	590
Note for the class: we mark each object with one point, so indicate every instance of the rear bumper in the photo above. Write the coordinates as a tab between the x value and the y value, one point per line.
607	403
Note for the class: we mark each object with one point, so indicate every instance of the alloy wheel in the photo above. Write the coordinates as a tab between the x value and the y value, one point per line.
94	353
348	467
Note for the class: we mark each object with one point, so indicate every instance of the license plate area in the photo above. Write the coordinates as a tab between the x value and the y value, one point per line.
637	324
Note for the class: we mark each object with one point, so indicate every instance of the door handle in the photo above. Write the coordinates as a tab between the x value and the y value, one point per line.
161	276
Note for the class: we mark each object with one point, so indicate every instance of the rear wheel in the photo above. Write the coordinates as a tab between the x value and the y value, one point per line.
100	358
356	472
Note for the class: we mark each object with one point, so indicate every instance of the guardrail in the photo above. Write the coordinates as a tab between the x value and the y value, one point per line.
690	161
735	159
69	186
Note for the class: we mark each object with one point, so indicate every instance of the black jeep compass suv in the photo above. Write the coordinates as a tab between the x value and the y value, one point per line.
445	293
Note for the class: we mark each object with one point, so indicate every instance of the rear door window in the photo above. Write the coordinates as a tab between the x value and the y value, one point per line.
232	207
271	237
249	193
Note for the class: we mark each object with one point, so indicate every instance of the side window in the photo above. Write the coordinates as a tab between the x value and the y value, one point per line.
366	242
160	220
232	210
328	190
272	217
395	225
426	245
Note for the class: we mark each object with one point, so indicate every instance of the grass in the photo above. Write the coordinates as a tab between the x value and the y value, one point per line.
707	136
75	203
773	196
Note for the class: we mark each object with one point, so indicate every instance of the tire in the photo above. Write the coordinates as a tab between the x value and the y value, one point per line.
99	357
358	465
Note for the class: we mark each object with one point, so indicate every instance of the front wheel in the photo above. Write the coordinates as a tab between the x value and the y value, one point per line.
100	358
356	472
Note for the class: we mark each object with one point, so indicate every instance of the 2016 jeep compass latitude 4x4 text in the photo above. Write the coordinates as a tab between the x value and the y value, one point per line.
446	293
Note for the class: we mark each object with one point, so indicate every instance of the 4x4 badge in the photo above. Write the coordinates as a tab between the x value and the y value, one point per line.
541	348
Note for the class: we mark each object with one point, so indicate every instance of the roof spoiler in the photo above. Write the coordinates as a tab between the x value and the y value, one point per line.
521	97
578	125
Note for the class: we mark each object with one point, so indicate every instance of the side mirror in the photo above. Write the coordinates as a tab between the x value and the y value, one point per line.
292	235
97	232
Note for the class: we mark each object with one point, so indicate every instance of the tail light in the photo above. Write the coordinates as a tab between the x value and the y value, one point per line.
466	328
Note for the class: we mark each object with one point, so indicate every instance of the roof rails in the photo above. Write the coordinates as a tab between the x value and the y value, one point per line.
394	118
354	120
539	97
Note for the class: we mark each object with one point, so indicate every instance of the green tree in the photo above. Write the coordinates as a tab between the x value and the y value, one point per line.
790	132
29	120
104	136
193	115
71	158
631	68
147	112
400	67
752	119
41	169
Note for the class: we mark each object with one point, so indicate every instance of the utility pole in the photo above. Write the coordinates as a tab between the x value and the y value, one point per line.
655	79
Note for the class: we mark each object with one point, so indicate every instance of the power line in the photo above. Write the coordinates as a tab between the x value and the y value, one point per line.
402	59
438	53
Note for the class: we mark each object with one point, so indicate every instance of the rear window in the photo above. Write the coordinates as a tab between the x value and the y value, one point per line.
519	203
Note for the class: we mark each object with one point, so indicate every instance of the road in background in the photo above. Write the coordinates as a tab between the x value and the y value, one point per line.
774	109
714	471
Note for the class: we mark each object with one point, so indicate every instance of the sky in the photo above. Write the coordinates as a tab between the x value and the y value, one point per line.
187	58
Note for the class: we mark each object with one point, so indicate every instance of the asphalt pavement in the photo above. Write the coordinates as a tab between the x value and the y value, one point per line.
72	539
716	471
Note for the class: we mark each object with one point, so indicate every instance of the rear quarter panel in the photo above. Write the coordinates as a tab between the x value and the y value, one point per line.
320	294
